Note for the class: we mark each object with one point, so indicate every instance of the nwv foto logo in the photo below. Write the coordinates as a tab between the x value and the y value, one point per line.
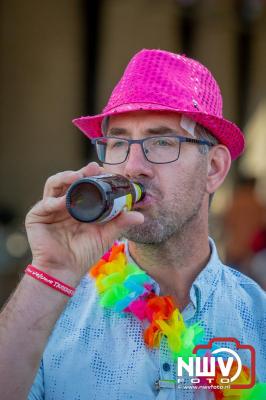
228	368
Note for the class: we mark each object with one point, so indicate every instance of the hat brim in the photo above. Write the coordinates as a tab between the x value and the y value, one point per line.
225	131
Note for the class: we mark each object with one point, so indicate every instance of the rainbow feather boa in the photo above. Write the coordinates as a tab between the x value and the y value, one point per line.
124	287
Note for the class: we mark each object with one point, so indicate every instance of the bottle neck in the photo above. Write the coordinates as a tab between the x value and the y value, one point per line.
139	191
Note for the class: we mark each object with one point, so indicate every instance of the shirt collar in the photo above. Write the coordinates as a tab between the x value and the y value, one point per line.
204	284
207	280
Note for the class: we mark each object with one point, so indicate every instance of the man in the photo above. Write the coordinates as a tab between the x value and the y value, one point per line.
172	107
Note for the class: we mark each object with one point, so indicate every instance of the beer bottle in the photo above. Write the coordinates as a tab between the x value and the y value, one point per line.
101	198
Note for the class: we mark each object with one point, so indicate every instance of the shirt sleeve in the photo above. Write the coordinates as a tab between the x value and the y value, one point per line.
37	389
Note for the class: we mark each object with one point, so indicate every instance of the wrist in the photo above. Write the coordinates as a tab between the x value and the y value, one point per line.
60	272
49	280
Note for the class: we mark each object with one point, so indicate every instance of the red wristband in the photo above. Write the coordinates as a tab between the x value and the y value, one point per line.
49	280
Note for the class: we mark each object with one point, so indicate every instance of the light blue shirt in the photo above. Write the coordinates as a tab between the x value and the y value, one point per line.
98	354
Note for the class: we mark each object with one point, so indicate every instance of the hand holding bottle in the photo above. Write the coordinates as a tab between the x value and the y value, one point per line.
61	245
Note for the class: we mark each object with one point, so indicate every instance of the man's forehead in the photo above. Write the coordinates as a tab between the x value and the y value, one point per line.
148	118
149	122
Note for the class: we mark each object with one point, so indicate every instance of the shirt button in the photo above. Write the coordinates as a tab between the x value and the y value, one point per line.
166	367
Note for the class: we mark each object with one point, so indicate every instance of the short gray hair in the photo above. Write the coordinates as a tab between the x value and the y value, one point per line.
203	133
104	125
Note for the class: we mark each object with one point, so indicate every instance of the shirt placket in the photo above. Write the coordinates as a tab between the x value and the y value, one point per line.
166	384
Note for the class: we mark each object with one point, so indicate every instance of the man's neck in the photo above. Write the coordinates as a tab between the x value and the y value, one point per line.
174	264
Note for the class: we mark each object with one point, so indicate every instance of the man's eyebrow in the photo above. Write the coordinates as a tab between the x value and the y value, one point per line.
160	130
117	132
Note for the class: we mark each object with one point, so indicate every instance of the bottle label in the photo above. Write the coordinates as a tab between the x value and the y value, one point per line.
120	203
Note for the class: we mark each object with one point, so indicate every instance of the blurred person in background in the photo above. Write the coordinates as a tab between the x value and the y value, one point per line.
257	264
117	332
245	216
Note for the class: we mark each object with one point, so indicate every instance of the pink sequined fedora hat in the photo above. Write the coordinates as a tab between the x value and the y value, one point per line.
162	81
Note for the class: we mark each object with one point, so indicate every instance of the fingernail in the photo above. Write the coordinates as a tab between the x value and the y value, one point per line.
94	163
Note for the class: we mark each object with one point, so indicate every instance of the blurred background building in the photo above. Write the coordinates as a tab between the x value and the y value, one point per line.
60	60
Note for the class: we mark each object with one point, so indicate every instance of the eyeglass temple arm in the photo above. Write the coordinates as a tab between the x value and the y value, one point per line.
196	141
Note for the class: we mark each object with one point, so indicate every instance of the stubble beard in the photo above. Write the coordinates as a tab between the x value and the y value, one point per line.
164	223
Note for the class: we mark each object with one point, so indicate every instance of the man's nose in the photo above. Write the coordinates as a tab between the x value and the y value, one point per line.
136	163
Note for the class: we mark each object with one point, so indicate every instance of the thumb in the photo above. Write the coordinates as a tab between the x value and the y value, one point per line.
112	230
128	218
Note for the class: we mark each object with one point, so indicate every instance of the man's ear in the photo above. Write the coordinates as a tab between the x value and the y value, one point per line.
219	162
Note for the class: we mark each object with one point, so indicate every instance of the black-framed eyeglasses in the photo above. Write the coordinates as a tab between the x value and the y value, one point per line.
156	149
